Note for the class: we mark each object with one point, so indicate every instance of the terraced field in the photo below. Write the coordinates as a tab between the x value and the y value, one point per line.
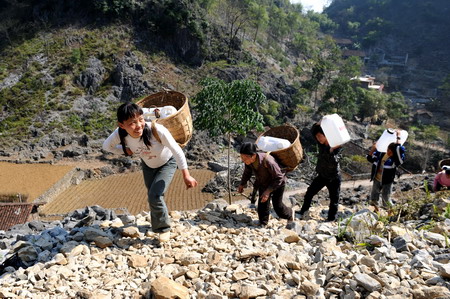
31	180
128	191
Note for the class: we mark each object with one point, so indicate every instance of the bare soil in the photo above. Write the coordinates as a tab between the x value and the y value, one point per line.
31	180
128	191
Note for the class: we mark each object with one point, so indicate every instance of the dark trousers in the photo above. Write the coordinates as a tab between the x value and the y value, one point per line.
280	208
440	187
333	186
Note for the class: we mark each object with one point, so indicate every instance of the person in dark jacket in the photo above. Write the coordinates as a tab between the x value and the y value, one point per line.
384	167
328	174
269	180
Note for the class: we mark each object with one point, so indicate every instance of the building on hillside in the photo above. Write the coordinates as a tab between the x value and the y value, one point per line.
358	53
349	50
378	56
423	116
367	82
343	42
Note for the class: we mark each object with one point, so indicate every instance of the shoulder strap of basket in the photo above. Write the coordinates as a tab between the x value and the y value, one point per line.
264	161
283	168
155	132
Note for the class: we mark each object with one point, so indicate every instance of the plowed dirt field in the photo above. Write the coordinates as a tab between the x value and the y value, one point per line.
128	191
31	180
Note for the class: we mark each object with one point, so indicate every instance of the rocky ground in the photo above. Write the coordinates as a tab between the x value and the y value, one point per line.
220	252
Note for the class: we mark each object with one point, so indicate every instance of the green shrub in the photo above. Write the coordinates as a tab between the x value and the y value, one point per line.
358	159
74	121
270	121
75	58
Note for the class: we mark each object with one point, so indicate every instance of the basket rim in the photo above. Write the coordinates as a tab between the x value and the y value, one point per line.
157	94
297	138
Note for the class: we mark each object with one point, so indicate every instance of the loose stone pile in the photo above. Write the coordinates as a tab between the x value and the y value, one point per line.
219	252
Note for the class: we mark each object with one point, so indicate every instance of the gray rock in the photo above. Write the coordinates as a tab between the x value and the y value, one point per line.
367	282
92	77
128	78
216	167
444	270
400	244
28	254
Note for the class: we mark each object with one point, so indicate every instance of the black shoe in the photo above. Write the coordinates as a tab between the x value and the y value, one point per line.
260	224
331	219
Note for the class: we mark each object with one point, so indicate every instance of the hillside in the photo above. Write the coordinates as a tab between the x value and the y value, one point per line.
65	66
65	70
405	43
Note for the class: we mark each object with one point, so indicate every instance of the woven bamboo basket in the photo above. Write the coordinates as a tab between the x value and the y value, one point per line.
180	123
443	163
291	156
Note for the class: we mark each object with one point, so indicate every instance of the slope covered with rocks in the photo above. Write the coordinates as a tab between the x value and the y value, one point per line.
220	252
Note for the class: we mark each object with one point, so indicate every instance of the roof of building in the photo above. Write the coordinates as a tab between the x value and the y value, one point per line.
366	78
14	213
354	53
423	112
343	41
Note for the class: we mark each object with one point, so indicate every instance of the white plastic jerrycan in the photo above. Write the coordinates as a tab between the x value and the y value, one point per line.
389	136
167	111
335	131
270	144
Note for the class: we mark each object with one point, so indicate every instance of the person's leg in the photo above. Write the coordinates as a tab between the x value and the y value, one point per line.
283	211
386	191
334	188
263	209
157	180
375	193
316	185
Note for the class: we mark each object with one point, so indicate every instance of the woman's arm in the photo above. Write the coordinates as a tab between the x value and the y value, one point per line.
168	141
189	181
112	143
245	178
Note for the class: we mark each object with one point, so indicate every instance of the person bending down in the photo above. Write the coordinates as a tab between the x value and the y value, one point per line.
269	180
160	155
442	179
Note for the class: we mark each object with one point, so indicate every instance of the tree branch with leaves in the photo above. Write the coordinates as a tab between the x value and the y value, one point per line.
228	108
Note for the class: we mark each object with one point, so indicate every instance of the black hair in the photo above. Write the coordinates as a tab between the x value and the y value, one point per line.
446	168
125	112
248	148
316	128
393	146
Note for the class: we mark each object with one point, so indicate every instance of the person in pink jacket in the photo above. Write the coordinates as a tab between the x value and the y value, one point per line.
442	179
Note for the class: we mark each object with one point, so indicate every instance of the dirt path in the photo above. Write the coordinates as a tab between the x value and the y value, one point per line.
344	185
